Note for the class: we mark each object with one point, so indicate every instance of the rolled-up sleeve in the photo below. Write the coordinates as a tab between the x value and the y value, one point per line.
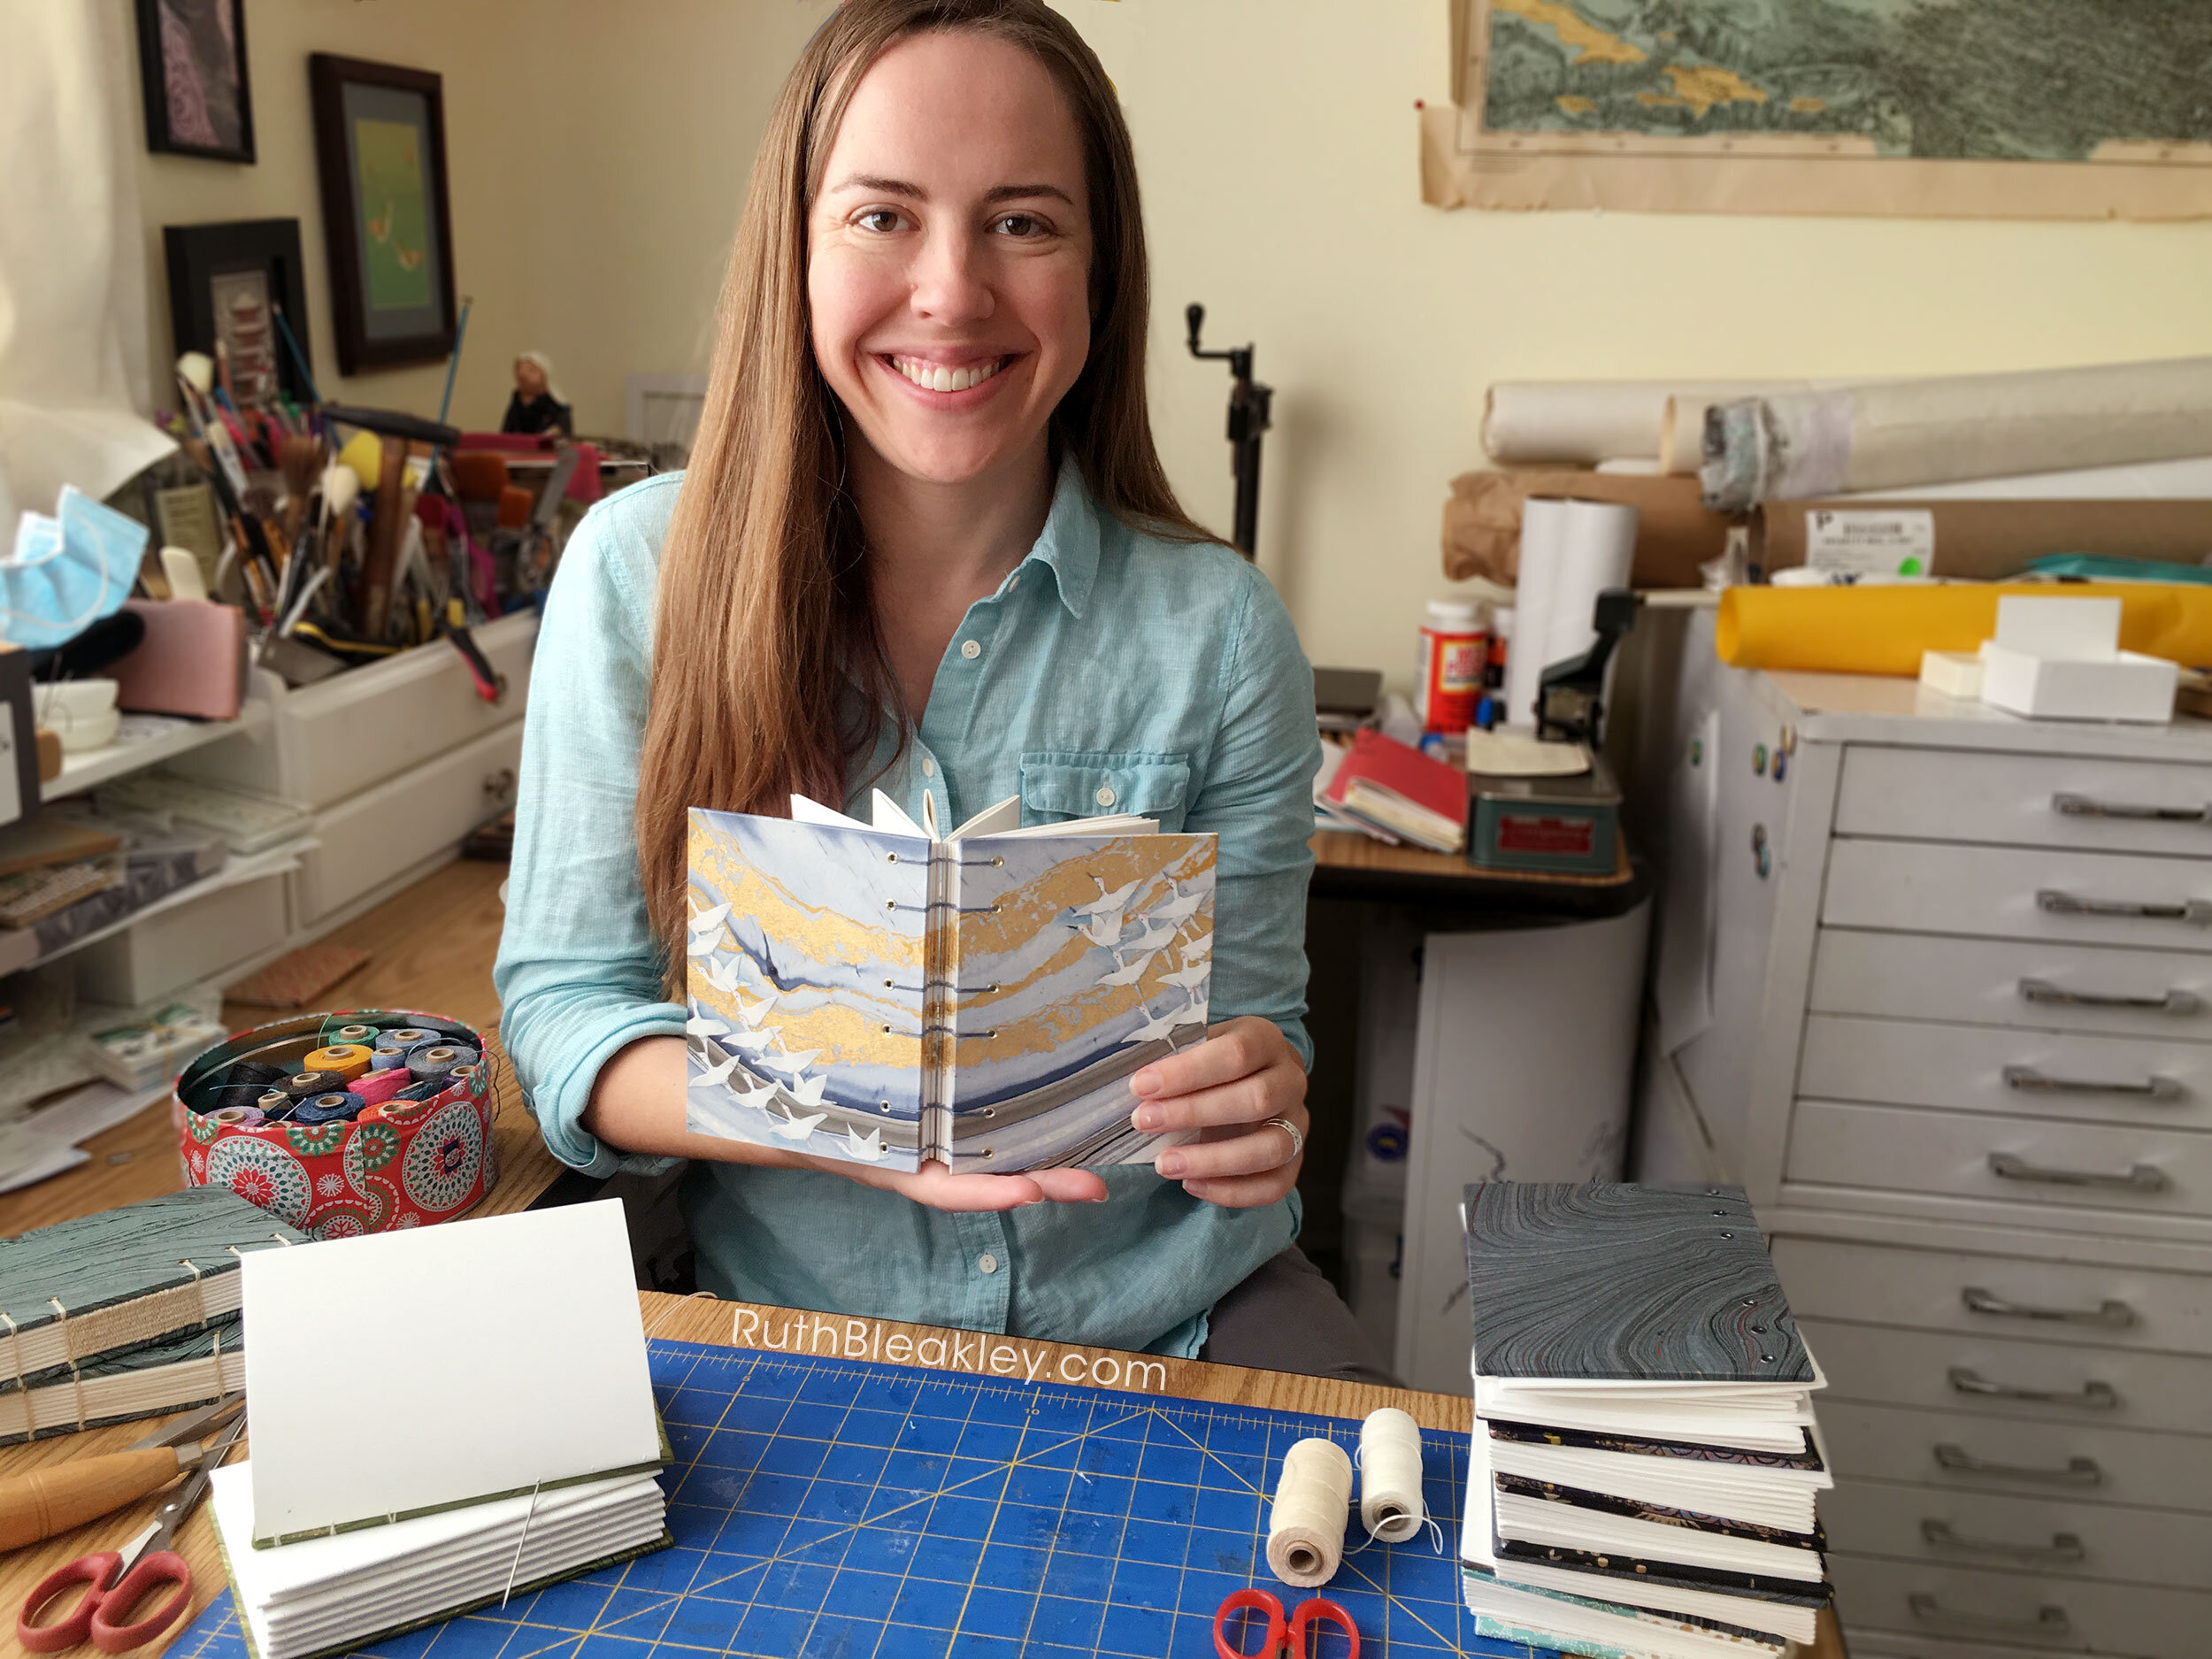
1257	796
579	971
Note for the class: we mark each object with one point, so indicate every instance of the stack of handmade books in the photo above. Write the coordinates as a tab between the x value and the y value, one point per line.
1644	1460
510	1354
128	1313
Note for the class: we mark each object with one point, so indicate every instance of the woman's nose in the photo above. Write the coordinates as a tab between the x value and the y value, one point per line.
951	279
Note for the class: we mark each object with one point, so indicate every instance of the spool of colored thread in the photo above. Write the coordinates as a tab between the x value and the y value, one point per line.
307	1085
256	1071
418	1091
240	1118
393	1048
342	1107
349	1060
378	1087
274	1103
236	1096
360	1036
408	1036
1313	1500
436	1062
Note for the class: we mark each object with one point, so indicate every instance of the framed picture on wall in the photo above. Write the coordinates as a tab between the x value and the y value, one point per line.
380	147
192	64
227	284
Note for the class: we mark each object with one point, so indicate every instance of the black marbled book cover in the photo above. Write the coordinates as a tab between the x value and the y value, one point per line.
1634	1510
1645	1284
1534	1434
1631	1569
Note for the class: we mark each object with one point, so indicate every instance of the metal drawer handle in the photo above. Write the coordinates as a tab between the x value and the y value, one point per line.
500	784
2116	1313
2093	1396
2173	1002
2198	911
2027	1080
2079	1472
2065	1549
2141	1178
2082	806
2048	1620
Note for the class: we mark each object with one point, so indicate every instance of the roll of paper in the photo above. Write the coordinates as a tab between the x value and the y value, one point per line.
1580	423
1571	552
1543	535
1891	435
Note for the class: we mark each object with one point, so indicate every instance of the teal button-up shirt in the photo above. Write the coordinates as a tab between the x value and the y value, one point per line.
1111	670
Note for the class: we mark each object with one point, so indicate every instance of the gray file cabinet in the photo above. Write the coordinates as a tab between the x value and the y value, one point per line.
1960	1055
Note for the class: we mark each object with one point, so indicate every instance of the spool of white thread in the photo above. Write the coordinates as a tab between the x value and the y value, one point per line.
1390	1502
1305	1528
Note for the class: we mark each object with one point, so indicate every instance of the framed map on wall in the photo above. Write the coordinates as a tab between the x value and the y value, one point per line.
2011	108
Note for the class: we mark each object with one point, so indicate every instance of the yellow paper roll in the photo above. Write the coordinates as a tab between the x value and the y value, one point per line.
349	1060
1883	630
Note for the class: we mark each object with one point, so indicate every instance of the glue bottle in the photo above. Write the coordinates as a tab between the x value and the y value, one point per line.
1448	679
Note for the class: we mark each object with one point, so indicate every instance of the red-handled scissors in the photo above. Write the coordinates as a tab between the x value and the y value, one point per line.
1279	1640
117	1580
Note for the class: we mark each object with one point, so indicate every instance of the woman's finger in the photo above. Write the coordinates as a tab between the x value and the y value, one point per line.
1071	1186
1269	1146
939	1187
1247	1099
1245	1192
1236	1049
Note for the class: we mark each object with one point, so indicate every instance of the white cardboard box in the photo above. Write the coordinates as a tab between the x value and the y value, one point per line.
2059	658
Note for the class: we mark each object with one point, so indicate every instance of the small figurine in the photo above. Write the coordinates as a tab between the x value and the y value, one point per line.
537	404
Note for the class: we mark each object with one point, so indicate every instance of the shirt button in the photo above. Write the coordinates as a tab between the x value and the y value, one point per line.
970	650
1105	795
987	1261
929	767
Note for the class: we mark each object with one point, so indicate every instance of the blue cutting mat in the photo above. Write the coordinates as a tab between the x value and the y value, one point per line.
828	1507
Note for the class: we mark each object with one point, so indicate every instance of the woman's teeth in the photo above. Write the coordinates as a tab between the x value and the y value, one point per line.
935	377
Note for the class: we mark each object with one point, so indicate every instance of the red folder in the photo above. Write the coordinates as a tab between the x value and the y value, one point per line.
1382	765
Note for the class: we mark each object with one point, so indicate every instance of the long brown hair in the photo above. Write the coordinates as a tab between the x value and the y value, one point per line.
763	613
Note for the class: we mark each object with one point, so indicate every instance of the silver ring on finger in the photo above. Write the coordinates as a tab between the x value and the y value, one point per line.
1297	1140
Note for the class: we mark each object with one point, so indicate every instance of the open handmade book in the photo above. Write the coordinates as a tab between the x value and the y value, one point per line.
882	992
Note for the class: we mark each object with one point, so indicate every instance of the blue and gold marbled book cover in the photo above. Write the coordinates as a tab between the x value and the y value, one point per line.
865	995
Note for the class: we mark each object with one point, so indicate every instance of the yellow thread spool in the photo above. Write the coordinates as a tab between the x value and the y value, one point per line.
349	1060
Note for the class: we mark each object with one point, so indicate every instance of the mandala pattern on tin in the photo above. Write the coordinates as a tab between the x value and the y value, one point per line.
203	1127
261	1173
373	1145
316	1141
446	1158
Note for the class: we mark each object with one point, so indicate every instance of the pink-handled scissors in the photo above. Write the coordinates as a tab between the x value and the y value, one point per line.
117	1580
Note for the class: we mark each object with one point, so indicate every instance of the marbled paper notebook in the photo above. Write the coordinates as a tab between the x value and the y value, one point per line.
1617	1283
879	993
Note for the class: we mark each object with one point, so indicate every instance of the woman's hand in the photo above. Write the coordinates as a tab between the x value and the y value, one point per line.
637	1105
1227	1088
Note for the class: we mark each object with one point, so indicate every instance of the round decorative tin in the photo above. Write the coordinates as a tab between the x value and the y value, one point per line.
399	1164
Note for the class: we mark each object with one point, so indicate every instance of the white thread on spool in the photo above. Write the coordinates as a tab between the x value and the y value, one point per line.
1390	1503
1305	1528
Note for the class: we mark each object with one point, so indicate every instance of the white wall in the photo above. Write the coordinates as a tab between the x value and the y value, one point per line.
600	153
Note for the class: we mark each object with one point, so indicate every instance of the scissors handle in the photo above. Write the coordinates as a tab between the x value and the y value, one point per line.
93	1570
51	1501
154	1568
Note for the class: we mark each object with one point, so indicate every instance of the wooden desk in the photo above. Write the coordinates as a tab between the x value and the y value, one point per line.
430	948
685	1319
1349	865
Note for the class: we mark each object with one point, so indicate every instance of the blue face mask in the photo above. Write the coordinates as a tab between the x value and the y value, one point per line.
67	572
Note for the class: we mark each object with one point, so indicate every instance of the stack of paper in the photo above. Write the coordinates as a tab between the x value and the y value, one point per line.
1645	1459
128	1313
511	1350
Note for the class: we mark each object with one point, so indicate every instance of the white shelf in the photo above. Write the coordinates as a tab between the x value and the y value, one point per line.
146	739
236	872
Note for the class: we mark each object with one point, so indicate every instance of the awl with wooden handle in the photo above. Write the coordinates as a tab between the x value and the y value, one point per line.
65	1496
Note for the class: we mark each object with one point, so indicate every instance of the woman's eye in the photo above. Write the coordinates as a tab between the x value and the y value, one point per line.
880	219
1021	225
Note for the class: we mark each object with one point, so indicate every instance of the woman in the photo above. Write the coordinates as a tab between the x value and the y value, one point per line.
925	545
537	404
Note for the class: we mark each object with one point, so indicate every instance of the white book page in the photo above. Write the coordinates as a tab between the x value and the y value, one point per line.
805	811
1001	820
1121	824
891	817
516	1338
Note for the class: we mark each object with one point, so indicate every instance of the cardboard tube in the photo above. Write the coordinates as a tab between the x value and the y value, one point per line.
1883	630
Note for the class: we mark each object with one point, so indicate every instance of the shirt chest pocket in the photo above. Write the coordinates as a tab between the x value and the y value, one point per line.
1062	784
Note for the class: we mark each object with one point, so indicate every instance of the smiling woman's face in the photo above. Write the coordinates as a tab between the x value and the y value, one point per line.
950	256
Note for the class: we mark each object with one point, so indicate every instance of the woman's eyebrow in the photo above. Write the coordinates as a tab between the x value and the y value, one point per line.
880	186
